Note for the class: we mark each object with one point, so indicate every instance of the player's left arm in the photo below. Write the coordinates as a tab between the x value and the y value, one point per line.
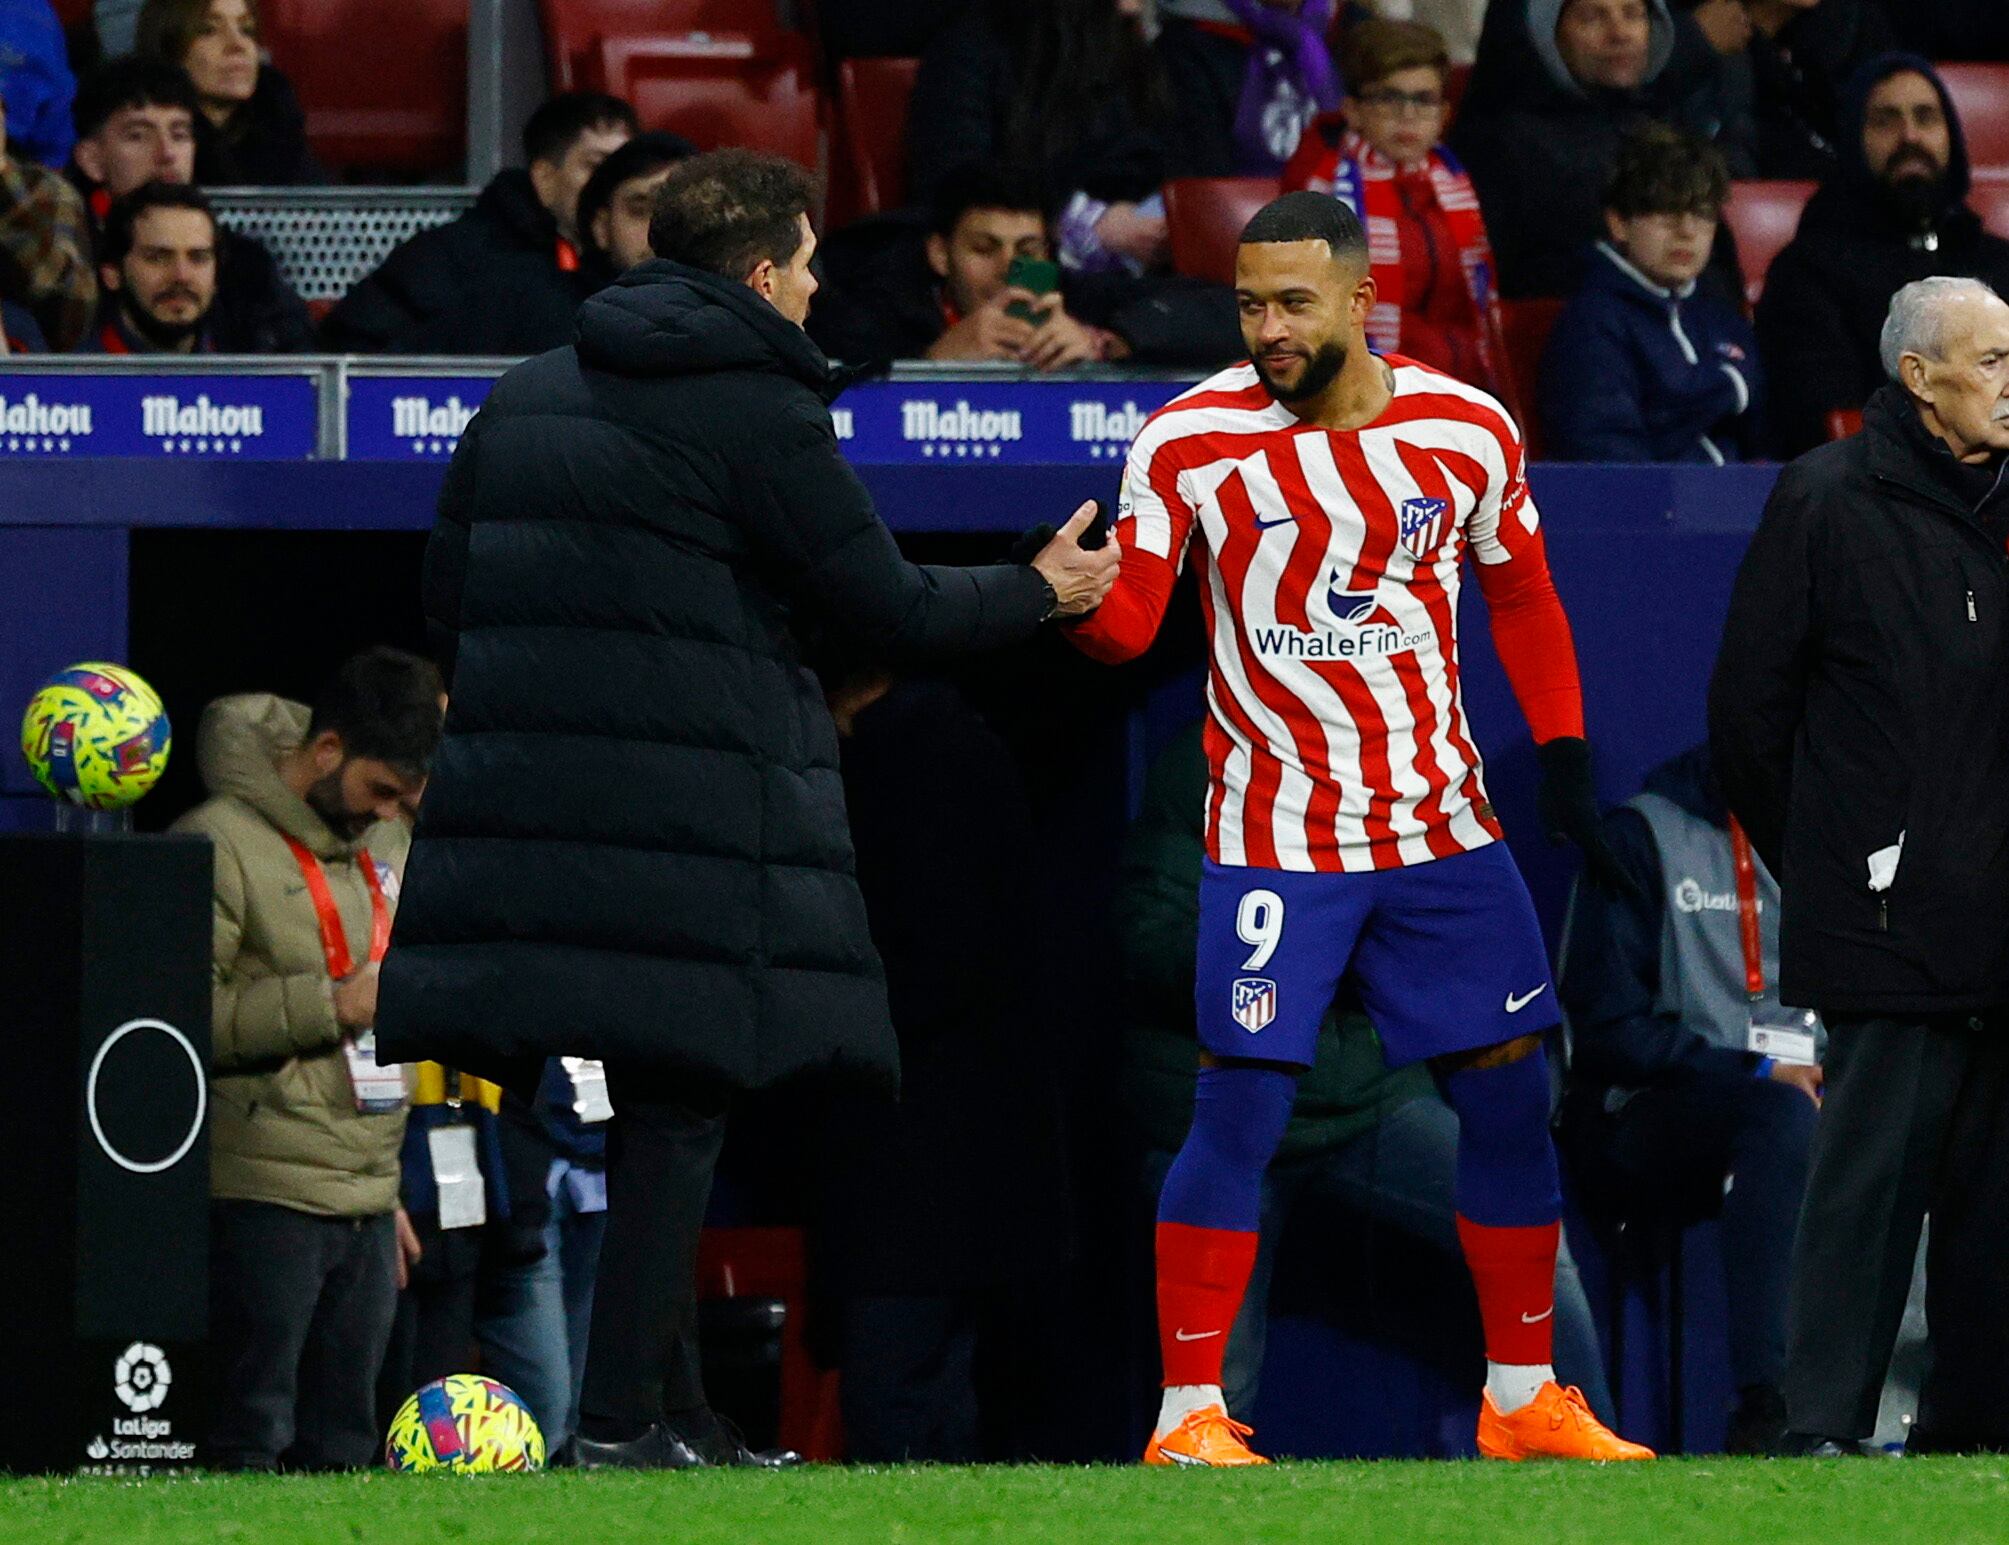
1531	633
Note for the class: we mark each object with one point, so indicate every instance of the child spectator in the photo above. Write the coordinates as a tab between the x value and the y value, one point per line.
1643	366
250	130
1380	156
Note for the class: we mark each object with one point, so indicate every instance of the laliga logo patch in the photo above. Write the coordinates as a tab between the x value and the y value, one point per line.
1255	1002
141	1377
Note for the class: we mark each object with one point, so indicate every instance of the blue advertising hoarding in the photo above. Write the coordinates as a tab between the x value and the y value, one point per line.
250	417
402	417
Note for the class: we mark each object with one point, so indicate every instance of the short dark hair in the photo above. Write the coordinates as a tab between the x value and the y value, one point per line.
1661	170
117	241
727	210
134	80
1308	216
986	185
558	123
385	704
642	156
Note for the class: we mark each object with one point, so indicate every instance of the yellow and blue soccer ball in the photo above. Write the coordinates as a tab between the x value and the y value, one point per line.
96	735
464	1422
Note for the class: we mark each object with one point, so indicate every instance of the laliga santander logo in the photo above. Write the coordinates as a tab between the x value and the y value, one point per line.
141	1377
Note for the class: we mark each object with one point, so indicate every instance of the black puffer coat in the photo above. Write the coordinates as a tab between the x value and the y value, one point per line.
634	843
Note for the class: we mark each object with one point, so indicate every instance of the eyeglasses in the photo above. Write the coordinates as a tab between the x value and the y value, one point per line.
1404	101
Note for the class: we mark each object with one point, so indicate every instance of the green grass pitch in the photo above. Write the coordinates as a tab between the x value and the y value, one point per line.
1831	1502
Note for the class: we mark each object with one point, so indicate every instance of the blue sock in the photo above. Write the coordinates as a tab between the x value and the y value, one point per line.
1239	1113
1507	1174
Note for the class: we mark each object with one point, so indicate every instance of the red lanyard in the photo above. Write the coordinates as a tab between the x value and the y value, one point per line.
334	940
1747	910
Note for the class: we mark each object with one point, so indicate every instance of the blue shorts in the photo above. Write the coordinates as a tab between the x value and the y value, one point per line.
1446	957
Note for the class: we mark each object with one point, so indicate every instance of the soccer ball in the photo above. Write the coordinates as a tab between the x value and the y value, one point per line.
464	1422
96	735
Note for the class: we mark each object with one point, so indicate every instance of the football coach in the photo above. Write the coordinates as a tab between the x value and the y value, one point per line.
1859	718
633	846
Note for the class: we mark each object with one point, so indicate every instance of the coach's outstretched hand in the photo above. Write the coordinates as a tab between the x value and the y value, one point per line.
1080	576
1568	805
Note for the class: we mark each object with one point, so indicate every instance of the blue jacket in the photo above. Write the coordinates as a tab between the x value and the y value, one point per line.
1635	372
36	82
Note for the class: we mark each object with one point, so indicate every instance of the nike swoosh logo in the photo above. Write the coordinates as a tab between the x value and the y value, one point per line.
1536	1319
1515	1005
1279	520
1198	1335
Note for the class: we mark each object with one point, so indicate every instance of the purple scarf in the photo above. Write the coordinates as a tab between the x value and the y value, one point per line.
1290	77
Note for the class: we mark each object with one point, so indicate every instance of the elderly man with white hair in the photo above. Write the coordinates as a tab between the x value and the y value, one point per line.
1859	718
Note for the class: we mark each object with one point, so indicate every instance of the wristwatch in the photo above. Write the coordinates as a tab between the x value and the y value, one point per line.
1052	598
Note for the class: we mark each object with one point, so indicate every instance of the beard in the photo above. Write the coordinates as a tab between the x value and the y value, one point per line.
160	333
325	800
1319	372
1913	189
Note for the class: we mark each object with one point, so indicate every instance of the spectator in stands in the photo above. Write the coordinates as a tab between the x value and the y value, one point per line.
36	81
249	131
1436	300
1363	1143
20	333
943	1231
1681	1079
1068	87
1801	55
308	814
136	125
507	276
896	294
158	265
1248	76
1643	365
1541	143
45	252
1895	210
618	200
1861	735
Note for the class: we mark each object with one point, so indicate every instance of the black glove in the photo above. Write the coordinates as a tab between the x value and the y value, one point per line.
1568	805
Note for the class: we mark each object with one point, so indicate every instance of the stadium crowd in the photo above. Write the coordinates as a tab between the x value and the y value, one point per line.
371	1235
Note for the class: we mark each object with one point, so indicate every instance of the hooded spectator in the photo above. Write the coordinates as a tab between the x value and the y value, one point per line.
249	131
1894	210
507	277
1436	295
619	199
136	125
1539	130
35	79
1643	365
1067	87
1248	76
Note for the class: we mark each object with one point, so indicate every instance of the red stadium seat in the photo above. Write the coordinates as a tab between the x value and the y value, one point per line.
1525	326
573	29
770	1263
384	82
1454	92
1843	422
1989	198
1205	216
1980	95
1763	216
722	89
872	128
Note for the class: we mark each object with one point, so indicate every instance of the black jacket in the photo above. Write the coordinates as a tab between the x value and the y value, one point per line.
262	145
489	282
1859	702
633	846
1797	83
1827	294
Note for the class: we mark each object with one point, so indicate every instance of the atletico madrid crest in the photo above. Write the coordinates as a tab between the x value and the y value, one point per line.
1423	523
1255	1002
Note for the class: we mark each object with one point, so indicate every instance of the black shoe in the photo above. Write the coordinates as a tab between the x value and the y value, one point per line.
725	1446
1814	1445
1759	1423
657	1449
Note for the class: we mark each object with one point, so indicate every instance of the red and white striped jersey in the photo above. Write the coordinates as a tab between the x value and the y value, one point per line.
1329	566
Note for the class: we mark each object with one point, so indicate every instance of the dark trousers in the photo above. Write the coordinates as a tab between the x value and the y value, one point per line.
1668	1152
300	1312
642	1353
1915	1120
432	1333
909	1387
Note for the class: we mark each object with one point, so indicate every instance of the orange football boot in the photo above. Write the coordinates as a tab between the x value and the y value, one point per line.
1207	1437
1556	1424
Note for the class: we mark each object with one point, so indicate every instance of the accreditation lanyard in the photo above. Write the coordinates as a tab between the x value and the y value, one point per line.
334	940
1747	910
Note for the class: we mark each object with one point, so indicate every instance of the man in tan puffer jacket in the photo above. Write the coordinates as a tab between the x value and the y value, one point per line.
309	814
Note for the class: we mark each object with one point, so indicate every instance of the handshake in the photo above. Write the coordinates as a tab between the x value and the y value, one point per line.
1080	575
